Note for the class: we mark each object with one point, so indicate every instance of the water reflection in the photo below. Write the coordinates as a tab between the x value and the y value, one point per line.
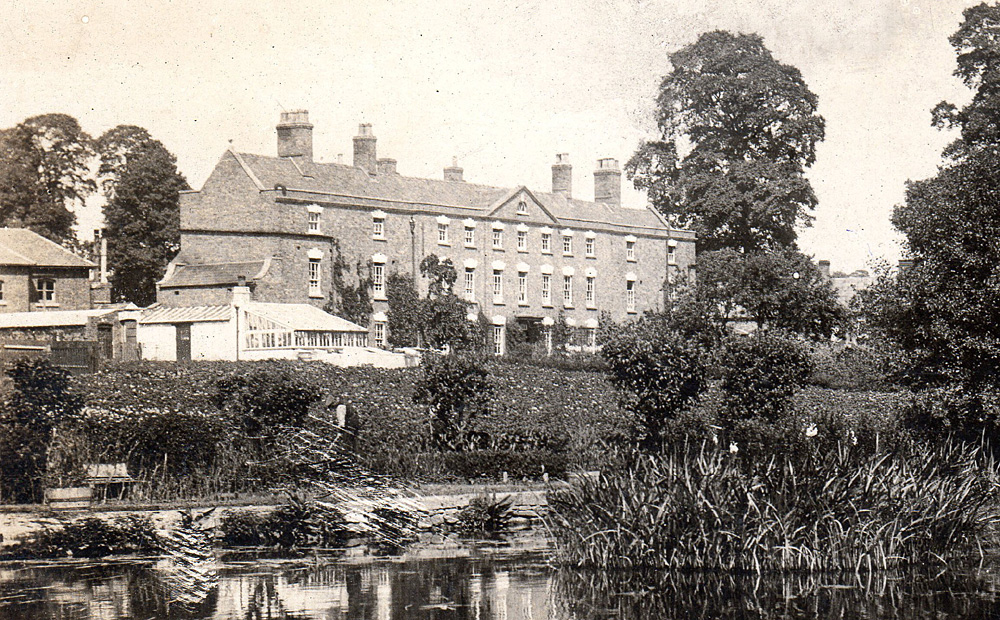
522	588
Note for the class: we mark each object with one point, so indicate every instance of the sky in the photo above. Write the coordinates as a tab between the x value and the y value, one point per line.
503	86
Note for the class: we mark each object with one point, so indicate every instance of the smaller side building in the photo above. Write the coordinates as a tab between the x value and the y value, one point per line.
37	275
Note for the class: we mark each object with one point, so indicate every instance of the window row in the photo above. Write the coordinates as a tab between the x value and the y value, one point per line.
546	285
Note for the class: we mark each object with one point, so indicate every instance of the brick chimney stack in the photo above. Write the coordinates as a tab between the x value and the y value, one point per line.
295	135
608	182
453	172
824	269
562	175
387	165
364	150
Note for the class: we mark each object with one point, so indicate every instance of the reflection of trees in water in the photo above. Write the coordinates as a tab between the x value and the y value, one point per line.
589	595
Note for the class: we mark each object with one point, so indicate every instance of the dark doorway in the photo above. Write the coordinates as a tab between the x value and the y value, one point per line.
532	328
183	342
105	342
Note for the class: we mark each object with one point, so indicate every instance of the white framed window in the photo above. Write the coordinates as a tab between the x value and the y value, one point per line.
314	277
589	244
470	284
378	280
522	241
522	208
497	238
547	289
630	251
630	296
591	291
497	286
470	236
591	336
46	290
499	339
568	291
378	228
1	292
546	243
379	333
314	214
671	252
567	245
442	233
522	288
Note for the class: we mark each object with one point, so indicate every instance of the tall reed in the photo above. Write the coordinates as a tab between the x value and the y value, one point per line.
702	507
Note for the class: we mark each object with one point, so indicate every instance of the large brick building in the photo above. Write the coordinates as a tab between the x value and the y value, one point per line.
281	223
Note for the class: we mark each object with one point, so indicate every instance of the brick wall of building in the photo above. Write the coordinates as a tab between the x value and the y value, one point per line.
72	288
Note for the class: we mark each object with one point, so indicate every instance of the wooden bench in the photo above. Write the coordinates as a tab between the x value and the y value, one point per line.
108	480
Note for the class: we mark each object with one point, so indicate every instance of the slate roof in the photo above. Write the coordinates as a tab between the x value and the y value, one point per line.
449	197
20	246
214	274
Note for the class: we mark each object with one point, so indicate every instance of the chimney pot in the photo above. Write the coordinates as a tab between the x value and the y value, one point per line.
824	268
562	175
364	149
295	135
454	172
608	182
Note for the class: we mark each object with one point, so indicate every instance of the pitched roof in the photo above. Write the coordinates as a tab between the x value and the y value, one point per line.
448	197
51	318
302	317
186	314
214	274
20	246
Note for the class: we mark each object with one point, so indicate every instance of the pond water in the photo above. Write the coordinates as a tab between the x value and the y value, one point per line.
485	586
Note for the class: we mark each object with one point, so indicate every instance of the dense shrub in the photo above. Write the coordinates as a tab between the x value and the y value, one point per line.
761	373
296	524
835	509
161	419
40	399
657	371
850	367
261	400
485	516
88	538
456	388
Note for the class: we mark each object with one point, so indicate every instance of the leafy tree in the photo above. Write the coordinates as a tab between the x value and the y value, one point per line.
263	399
439	319
404	311
737	131
658	371
945	310
140	179
441	275
457	389
41	399
350	301
760	374
782	289
44	173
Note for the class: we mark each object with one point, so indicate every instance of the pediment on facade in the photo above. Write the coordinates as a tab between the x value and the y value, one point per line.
521	205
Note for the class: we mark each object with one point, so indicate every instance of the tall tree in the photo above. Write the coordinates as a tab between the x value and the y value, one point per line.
44	174
945	310
738	129
142	216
